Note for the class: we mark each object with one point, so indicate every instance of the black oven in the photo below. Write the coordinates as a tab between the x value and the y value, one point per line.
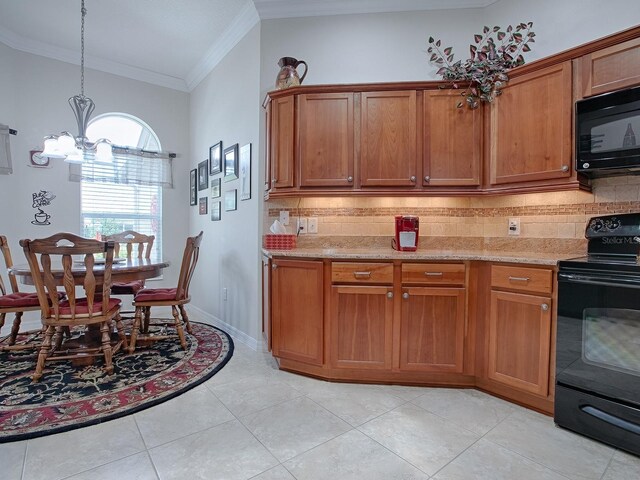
598	335
608	133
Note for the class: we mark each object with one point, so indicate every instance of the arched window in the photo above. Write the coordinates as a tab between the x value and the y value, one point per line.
109	206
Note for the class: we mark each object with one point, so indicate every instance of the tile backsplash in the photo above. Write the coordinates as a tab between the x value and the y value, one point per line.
554	215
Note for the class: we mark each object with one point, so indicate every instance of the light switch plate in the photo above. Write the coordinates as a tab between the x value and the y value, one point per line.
284	217
313	225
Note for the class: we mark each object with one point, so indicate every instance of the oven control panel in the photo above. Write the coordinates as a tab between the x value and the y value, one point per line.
622	225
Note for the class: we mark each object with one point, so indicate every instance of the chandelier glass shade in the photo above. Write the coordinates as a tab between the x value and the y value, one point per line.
77	149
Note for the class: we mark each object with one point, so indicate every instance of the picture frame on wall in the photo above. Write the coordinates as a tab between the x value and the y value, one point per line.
202	209
231	163
216	210
203	175
245	172
231	200
215	188
215	158
193	192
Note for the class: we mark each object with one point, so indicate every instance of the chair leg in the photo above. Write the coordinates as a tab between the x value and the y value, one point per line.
15	328
44	353
147	319
58	337
185	319
106	347
121	332
134	330
179	329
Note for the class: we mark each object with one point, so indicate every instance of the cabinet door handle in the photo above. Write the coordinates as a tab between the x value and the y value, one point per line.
349	178
427	178
519	279
544	307
389	294
274	266
360	275
405	295
565	168
412	178
432	274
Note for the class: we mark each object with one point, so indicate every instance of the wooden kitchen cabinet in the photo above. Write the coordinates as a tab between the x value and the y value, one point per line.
326	140
281	143
530	127
452	140
388	139
297	310
611	68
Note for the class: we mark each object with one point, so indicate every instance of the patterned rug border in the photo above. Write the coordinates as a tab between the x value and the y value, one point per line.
152	403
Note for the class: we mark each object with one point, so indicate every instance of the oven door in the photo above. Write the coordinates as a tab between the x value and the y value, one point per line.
598	334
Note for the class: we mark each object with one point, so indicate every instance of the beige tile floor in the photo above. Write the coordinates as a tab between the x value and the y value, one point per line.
251	421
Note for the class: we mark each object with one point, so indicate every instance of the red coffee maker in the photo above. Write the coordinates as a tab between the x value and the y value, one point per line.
406	239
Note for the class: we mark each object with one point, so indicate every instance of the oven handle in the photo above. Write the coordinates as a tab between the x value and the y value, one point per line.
611	419
616	281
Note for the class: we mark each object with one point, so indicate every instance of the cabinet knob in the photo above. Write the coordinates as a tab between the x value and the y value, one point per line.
349	178
565	168
413	178
405	295
274	266
274	180
544	307
389	294
427	178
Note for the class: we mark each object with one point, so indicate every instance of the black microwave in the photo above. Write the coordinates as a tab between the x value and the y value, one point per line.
608	134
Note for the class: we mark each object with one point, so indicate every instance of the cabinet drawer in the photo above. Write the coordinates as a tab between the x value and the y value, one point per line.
433	273
521	278
347	272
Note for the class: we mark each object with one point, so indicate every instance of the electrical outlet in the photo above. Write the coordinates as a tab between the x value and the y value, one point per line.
284	217
313	225
302	225
514	226
224	294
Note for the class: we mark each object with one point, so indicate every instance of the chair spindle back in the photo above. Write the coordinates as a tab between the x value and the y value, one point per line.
189	261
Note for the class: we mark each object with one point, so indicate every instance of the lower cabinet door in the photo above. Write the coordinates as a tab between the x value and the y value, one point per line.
297	310
519	341
361	327
432	329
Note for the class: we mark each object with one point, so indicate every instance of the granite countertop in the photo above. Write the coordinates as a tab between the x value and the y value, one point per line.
379	253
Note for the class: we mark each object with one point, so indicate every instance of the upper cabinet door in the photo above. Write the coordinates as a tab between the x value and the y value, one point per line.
530	127
388	139
452	140
281	146
611	68
325	139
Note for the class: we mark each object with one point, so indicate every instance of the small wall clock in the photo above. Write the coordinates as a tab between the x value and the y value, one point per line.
37	160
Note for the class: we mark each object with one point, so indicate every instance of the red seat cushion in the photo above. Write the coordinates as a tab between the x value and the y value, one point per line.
127	288
82	307
155	294
22	300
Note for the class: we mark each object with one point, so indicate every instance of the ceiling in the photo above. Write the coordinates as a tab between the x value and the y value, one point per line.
166	42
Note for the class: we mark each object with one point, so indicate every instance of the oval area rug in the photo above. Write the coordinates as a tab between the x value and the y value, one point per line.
69	397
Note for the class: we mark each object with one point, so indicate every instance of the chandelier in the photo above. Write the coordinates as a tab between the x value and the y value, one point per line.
78	149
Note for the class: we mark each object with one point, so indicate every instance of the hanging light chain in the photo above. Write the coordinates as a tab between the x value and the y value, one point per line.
83	11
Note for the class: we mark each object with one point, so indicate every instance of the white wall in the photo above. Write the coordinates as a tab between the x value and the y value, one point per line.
36	90
226	106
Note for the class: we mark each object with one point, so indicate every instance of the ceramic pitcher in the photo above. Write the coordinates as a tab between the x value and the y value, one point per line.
288	75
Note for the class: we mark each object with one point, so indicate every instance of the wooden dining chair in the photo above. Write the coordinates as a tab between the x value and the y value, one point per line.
130	244
176	298
16	303
51	262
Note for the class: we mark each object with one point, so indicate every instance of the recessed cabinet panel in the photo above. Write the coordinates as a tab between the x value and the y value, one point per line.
388	139
282	142
452	140
325	140
611	68
531	129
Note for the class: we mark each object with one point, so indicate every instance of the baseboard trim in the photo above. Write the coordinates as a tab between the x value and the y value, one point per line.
236	334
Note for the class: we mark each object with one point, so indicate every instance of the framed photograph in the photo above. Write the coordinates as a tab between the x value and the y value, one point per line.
215	188
231	163
215	158
245	172
216	208
203	175
203	206
230	200
193	193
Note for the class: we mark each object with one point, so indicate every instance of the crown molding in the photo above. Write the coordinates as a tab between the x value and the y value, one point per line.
272	9
34	47
239	27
